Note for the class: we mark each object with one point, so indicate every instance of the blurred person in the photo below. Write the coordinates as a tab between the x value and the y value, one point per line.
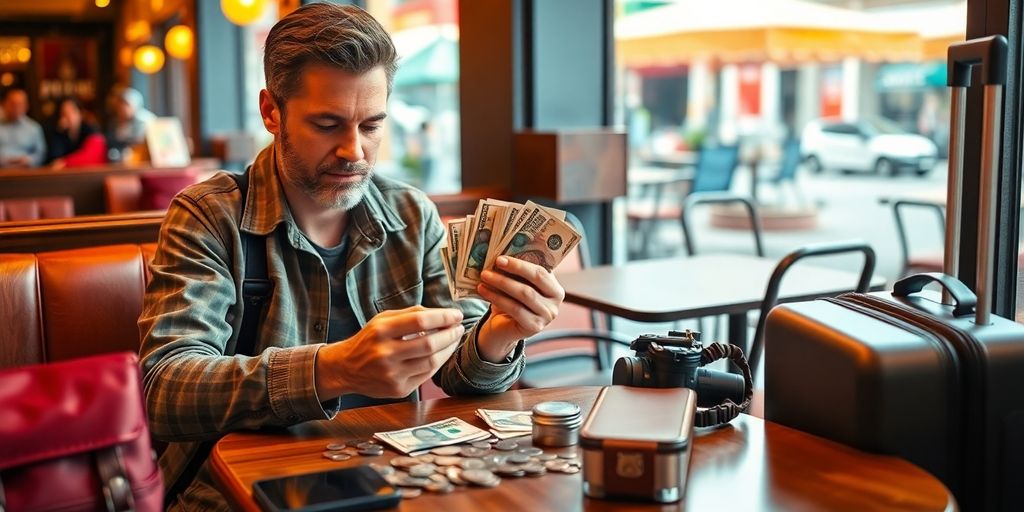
360	312
73	141
128	126
22	143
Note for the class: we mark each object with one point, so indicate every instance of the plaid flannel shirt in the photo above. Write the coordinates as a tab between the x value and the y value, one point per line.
192	313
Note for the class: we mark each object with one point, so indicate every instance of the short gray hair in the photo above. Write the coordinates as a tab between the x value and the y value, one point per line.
344	36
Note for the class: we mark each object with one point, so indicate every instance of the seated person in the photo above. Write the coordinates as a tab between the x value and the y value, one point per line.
21	139
73	141
360	312
130	119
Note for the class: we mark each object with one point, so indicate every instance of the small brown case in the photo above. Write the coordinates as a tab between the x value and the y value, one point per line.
636	443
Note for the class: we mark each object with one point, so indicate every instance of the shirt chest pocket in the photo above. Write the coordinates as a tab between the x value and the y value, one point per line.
405	297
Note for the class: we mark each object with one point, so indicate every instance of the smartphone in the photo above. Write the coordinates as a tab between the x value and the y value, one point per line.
357	488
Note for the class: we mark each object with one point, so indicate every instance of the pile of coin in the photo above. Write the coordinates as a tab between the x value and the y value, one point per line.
339	452
480	464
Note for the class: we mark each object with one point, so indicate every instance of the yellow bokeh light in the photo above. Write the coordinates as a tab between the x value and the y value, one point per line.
102	3
7	79
243	12
149	59
179	42
24	55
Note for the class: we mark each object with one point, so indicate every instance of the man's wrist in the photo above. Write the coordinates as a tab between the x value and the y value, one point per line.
490	345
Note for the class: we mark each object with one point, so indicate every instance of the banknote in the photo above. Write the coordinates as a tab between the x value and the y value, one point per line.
542	240
424	437
464	245
480	237
503	226
446	260
507	421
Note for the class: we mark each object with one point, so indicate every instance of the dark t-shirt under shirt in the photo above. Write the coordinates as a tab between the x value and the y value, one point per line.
341	323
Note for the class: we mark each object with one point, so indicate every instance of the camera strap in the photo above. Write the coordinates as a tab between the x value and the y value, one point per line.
728	410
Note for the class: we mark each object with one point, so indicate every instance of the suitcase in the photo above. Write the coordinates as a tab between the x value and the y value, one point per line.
935	379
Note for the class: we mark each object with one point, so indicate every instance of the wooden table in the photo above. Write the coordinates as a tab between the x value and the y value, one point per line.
749	464
672	289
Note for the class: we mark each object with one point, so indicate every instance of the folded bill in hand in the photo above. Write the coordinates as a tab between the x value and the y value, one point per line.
432	435
529	232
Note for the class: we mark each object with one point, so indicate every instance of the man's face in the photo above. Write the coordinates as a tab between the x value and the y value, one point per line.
15	105
328	134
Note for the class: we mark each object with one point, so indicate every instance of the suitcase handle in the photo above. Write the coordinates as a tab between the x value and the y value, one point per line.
989	53
964	299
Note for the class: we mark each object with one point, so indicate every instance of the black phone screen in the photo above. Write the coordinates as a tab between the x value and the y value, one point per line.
358	488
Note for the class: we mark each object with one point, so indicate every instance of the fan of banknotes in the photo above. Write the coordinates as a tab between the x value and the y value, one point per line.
529	232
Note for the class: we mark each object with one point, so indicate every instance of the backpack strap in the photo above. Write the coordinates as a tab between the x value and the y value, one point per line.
256	286
256	291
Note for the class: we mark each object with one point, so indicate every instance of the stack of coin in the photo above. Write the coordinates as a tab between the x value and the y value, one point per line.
556	423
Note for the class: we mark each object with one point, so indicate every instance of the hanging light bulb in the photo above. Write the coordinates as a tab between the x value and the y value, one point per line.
178	42
149	59
243	12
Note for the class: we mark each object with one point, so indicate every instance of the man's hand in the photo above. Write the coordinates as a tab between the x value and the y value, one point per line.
391	356
524	299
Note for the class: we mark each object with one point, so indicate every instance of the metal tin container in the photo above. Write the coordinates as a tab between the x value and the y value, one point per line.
556	423
637	443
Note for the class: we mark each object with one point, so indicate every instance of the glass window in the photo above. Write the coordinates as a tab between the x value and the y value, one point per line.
422	141
782	74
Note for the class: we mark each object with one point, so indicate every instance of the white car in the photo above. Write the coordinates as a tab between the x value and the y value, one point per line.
875	145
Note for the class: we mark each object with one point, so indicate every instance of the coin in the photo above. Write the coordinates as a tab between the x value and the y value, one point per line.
544	457
438	478
334	447
354	443
446	450
337	456
509	470
405	462
483	445
495	459
372	452
519	458
425	458
567	455
531	451
454	475
481	477
368	446
472	464
534	469
556	465
422	470
411	481
506	445
442	460
408	494
439	487
382	469
471	451
571	470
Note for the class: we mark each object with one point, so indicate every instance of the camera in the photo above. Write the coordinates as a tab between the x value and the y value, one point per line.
674	361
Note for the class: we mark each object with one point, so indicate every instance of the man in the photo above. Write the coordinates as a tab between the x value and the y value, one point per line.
21	139
128	127
360	312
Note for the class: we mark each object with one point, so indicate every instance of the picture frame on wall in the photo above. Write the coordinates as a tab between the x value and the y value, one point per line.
165	141
67	67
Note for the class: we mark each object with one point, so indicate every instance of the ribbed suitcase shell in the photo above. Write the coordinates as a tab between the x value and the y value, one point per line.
902	376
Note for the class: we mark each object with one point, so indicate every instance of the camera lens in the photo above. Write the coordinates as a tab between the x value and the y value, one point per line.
628	371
